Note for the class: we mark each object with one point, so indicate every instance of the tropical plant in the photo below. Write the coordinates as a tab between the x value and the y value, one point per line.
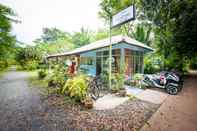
81	38
140	32
28	58
173	24
152	64
7	40
58	77
137	80
76	88
42	74
117	81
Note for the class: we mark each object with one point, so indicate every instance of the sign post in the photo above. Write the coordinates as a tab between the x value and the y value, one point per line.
110	53
120	18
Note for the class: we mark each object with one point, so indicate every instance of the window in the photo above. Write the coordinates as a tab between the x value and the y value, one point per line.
86	61
103	60
138	61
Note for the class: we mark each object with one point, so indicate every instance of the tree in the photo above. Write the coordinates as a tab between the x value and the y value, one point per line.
53	40
50	35
175	24
140	31
81	38
7	41
29	57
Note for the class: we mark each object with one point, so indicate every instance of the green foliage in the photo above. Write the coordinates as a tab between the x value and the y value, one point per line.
28	58
7	41
173	23
100	34
174	26
58	77
81	38
42	74
140	32
193	63
111	7
185	29
152	64
117	81
51	35
30	65
137	81
76	88
53	41
137	76
3	64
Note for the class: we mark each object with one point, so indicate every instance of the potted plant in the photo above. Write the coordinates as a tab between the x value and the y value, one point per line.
88	103
122	92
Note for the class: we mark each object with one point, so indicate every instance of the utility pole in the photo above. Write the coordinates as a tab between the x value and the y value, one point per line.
110	52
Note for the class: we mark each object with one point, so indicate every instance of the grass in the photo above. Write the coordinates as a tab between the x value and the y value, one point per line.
40	84
2	71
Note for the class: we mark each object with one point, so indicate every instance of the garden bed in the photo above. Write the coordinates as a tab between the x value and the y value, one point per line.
128	116
67	114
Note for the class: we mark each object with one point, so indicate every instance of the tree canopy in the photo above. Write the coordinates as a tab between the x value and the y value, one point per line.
172	22
7	40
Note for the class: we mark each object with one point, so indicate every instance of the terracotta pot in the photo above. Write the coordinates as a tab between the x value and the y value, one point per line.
88	103
122	93
133	82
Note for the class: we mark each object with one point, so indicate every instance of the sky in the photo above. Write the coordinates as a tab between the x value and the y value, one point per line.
67	15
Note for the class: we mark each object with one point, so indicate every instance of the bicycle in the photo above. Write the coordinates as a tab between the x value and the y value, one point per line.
94	87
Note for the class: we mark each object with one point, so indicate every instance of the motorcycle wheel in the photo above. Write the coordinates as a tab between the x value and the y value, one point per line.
172	90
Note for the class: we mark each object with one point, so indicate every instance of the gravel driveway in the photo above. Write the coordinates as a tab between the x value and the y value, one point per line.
23	109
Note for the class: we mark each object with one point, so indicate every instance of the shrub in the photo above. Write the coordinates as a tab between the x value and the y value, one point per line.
3	64
42	74
117	81
58	77
76	88
28	65
136	81
105	78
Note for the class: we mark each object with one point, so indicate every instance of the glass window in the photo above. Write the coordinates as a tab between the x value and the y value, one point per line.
105	52
86	61
99	53
138	62
116	52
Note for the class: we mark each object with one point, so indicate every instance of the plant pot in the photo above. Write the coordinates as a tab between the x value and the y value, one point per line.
122	93
114	90
133	82
88	103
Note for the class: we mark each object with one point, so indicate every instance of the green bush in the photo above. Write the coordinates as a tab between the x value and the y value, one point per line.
3	64
76	88
137	76
117	81
137	81
58	77
105	78
42	74
28	65
152	64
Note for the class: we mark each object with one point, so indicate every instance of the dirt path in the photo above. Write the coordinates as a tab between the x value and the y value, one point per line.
177	113
20	106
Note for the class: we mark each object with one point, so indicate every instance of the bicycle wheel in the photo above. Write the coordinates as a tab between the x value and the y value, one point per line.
95	92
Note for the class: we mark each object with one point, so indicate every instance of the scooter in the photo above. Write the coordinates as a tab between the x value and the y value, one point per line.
165	80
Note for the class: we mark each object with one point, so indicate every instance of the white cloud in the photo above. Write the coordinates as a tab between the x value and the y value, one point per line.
67	15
